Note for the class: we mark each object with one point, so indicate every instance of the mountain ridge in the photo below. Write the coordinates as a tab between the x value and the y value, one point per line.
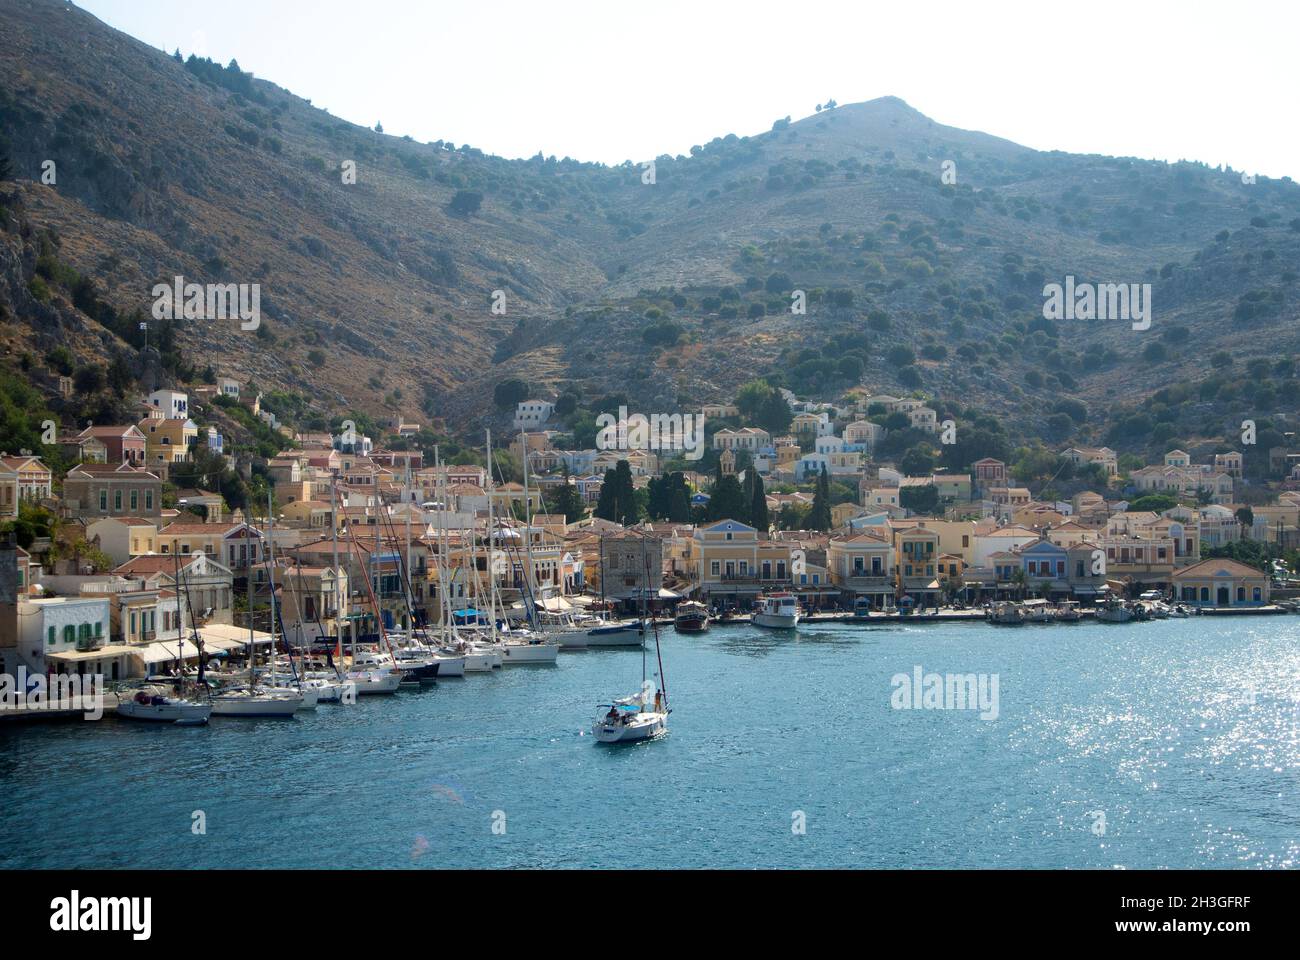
191	169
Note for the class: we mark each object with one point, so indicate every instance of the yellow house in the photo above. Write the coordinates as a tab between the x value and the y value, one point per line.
1220	582
313	514
917	552
124	537
729	560
955	536
166	440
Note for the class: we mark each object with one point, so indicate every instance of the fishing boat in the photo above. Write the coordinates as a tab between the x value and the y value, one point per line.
1037	610
1067	611
779	611
1179	611
1112	610
1007	614
691	617
153	703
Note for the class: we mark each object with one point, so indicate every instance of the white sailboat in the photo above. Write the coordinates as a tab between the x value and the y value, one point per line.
636	718
154	703
518	646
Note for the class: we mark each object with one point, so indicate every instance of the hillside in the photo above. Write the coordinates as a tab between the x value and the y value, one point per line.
376	295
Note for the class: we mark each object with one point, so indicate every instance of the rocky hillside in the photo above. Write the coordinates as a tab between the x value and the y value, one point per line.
922	250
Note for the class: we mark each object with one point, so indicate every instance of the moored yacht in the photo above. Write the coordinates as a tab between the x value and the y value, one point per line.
247	702
155	704
777	610
691	617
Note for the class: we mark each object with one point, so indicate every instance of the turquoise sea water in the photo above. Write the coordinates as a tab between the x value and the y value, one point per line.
1184	735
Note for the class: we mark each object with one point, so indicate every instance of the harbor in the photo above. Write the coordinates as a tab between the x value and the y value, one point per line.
1152	723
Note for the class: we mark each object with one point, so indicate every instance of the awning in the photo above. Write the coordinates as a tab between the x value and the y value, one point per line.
554	605
165	650
107	651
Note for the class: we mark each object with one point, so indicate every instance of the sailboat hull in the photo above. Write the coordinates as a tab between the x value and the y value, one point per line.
181	713
646	726
616	635
256	706
529	652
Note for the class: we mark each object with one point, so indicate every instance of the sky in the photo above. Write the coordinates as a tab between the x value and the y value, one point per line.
613	81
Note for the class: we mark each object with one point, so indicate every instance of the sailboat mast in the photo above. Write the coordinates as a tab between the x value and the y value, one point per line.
270	577
492	583
180	620
334	543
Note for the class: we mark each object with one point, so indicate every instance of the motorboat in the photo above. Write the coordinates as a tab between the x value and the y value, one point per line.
1037	610
1007	614
1112	610
691	617
153	703
1067	611
779	611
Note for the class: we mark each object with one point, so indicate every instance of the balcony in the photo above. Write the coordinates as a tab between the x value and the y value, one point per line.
747	578
863	578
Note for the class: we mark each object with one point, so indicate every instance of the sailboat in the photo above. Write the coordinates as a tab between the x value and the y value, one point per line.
636	718
602	632
525	645
152	701
248	700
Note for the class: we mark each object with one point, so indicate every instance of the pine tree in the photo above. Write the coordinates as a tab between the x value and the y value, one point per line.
567	501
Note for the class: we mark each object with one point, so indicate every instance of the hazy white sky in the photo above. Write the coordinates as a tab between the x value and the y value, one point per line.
615	81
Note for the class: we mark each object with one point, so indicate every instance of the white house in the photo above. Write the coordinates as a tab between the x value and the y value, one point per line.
173	404
829	444
531	414
58	625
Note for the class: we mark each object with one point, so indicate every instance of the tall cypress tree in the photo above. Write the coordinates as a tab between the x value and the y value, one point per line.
758	504
727	501
607	503
679	510
819	518
625	494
